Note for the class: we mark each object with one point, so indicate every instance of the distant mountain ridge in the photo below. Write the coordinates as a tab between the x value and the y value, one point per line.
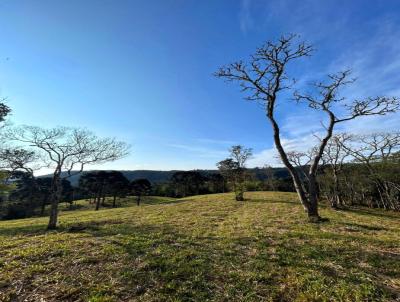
157	176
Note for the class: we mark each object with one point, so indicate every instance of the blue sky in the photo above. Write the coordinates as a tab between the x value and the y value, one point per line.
142	70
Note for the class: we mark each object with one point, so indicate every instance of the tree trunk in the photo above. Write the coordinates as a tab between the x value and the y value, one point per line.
334	203
98	201
335	197
292	171
115	197
312	209
138	200
239	192
56	194
43	207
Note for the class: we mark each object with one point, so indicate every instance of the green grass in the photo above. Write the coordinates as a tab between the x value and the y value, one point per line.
203	248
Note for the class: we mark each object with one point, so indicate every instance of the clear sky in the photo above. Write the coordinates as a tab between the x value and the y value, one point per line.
142	70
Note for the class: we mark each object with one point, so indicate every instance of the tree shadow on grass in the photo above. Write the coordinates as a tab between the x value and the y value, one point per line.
36	229
166	201
272	201
363	227
373	212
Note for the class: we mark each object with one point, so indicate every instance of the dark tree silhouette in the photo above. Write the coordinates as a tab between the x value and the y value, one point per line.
140	187
31	193
4	110
11	158
217	182
117	186
95	183
187	182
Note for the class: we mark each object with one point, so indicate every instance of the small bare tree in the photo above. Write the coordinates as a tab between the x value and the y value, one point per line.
67	150
264	77
270	177
234	169
334	157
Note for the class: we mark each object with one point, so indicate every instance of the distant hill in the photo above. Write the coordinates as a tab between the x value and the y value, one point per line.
156	176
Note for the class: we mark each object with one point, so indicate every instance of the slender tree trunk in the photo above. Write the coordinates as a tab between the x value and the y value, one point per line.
138	200
335	197
98	201
43	207
312	210
114	199
300	190
239	192
292	171
334	203
56	194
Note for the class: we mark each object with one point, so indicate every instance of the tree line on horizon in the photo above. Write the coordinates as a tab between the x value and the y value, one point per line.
30	195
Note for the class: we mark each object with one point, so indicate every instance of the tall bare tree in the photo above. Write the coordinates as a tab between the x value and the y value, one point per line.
264	77
67	150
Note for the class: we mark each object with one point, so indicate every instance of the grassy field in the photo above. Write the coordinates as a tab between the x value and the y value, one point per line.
203	248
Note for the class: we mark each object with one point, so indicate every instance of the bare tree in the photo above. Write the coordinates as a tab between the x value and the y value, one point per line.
301	160
67	150
234	169
378	152
335	156
264	77
271	178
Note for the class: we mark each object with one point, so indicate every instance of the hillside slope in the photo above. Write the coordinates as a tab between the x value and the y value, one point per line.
203	248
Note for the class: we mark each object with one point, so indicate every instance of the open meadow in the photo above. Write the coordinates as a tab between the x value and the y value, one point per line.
203	248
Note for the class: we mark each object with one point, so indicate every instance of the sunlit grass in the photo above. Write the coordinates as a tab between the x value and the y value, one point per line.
203	248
